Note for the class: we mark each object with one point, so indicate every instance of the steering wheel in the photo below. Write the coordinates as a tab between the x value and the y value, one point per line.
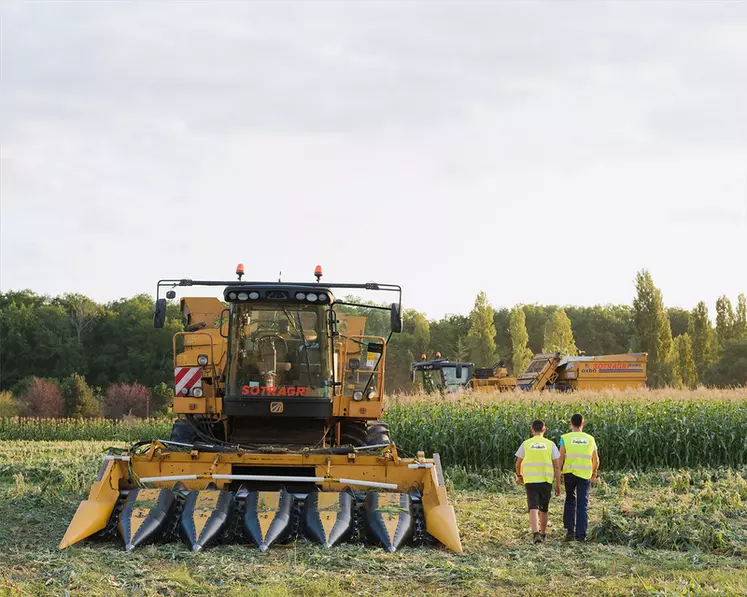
273	337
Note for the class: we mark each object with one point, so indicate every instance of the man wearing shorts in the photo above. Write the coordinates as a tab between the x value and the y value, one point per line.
538	466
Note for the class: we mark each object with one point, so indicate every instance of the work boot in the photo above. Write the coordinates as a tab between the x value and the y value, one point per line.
537	538
570	536
581	539
544	536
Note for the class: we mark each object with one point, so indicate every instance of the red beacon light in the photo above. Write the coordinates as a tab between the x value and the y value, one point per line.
240	270
318	272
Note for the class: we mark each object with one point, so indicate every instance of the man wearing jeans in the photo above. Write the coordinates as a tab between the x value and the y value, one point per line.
580	461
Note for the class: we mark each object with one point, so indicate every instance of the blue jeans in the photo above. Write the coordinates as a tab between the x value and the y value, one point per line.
576	509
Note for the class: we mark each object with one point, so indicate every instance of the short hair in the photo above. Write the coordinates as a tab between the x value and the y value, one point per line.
577	420
538	425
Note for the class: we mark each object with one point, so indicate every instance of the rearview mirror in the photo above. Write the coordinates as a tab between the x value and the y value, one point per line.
459	371
396	318
159	316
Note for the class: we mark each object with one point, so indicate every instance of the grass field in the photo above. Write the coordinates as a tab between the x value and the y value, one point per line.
668	532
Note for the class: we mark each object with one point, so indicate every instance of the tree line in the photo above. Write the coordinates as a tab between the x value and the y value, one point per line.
113	349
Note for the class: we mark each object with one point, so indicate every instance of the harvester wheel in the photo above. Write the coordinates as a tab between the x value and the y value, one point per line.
353	433
183	433
377	433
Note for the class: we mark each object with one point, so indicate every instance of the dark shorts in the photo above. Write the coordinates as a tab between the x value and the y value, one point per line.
538	496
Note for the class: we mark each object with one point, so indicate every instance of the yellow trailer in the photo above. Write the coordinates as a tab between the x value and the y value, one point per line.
619	371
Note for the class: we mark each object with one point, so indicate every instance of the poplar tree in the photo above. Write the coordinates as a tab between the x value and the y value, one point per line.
652	331
684	363
724	323
520	353
701	336
461	350
559	335
481	335
740	320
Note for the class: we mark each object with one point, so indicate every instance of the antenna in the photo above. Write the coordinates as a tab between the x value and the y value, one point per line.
280	275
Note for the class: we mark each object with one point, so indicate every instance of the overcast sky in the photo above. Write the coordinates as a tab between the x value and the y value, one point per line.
542	152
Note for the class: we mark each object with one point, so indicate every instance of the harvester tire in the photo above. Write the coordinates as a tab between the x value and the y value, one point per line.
353	433
377	433
183	432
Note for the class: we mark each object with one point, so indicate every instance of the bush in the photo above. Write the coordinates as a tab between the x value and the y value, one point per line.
127	399
162	397
42	399
8	405
80	400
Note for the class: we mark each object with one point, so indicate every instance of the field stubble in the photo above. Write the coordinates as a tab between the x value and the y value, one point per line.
651	533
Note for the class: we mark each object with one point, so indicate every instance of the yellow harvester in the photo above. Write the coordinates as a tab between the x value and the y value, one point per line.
550	370
279	437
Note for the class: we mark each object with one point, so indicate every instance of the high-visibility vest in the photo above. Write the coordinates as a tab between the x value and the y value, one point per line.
537	464
579	447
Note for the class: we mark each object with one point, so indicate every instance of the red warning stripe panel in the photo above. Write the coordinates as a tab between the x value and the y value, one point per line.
186	378
179	373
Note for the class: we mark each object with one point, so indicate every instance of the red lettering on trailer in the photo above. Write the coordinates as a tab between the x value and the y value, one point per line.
291	391
254	390
281	391
271	390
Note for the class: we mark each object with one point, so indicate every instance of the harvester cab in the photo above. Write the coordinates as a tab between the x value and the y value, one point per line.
441	375
445	376
279	391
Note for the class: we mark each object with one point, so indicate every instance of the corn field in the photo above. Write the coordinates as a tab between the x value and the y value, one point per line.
634	431
123	430
630	433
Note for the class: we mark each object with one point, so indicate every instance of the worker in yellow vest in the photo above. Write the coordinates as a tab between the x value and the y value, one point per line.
537	466
580	461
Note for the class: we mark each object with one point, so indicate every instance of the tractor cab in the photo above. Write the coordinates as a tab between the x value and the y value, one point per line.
441	375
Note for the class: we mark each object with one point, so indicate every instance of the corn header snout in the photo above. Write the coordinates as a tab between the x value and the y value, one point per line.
155	493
